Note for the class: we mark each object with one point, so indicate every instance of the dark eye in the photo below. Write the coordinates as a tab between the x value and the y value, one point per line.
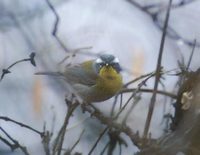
98	66
101	64
116	66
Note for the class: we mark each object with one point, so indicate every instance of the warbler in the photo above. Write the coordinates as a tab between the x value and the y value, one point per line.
94	80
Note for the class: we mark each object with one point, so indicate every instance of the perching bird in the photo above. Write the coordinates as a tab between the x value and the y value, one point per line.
93	80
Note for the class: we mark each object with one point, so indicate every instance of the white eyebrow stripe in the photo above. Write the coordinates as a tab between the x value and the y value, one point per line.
116	60
99	60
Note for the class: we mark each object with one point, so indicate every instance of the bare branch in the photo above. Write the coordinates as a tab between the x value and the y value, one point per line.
60	138
139	78
97	141
12	147
146	90
22	125
31	59
184	139
104	149
111	124
136	100
115	139
170	31
55	28
157	77
134	93
78	140
173	6
16	143
191	55
46	140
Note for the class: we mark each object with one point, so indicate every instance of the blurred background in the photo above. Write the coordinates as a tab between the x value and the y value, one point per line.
119	27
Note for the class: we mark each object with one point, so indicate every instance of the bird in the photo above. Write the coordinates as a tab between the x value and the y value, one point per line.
94	80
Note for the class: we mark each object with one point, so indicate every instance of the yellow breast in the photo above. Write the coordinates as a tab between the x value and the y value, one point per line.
109	82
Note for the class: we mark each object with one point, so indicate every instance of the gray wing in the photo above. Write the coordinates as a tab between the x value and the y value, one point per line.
76	75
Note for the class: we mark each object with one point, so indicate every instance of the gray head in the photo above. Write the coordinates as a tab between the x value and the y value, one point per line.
107	60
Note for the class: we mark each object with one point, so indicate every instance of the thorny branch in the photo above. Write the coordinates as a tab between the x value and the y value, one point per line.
157	77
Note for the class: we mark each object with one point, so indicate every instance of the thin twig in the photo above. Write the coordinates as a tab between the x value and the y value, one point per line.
12	147
57	19
73	53
114	104
170	31
97	141
191	55
182	3
60	138
31	59
46	140
139	78
78	140
157	77
139	89
104	149
125	105
173	6
146	90
55	28
22	125
16	143
142	83
121	100
137	99
111	124
149	75
115	138
120	149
